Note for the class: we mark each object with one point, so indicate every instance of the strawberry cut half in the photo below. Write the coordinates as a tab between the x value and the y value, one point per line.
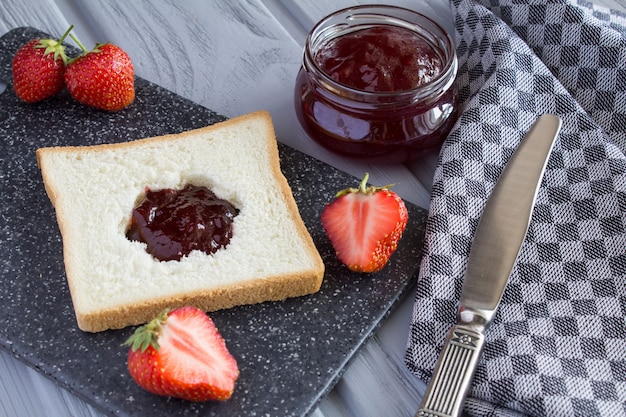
182	354
364	225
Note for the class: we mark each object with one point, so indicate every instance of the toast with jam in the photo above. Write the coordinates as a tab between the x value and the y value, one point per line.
140	233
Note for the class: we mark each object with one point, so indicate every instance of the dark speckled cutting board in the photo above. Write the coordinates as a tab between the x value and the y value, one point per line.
290	353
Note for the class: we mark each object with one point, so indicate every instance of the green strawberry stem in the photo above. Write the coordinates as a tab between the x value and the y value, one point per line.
82	47
67	32
363	188
148	334
79	43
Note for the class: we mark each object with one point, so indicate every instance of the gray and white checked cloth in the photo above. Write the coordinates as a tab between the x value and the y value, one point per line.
557	345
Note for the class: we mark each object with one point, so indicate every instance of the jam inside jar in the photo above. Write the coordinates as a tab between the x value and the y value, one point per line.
377	83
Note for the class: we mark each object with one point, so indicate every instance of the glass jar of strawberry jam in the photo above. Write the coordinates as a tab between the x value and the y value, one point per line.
377	82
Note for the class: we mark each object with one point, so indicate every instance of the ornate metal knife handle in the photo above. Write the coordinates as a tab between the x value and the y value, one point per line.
453	373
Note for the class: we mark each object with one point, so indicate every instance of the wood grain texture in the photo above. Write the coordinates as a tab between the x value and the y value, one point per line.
46	13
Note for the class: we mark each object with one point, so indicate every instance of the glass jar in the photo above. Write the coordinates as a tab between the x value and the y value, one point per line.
388	126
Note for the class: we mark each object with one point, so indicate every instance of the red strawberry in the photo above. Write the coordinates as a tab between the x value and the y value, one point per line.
38	69
181	354
364	226
103	78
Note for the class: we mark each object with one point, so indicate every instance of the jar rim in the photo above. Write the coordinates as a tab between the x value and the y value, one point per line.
364	16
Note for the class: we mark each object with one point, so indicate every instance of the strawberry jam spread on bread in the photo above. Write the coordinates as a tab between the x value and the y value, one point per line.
172	222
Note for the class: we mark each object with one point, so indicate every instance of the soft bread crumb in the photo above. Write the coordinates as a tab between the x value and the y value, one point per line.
115	283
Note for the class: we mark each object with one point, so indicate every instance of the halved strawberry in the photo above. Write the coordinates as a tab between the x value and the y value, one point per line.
181	354
364	225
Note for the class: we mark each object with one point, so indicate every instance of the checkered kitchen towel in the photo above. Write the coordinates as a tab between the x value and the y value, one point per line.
557	345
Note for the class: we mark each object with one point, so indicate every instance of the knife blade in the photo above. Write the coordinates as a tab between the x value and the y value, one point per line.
497	242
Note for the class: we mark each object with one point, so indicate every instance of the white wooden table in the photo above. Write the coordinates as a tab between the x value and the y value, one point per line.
234	57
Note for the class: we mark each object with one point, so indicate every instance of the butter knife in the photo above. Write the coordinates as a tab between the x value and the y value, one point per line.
497	242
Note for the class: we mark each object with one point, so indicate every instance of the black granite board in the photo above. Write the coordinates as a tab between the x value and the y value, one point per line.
290	353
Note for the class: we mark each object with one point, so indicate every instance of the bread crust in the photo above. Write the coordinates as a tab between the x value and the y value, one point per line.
254	289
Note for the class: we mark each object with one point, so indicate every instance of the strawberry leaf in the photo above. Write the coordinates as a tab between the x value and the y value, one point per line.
55	47
148	334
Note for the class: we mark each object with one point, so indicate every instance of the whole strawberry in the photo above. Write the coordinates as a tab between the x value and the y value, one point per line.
364	225
38	69
103	78
181	354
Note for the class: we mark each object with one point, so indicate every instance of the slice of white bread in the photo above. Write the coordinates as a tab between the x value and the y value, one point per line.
115	283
